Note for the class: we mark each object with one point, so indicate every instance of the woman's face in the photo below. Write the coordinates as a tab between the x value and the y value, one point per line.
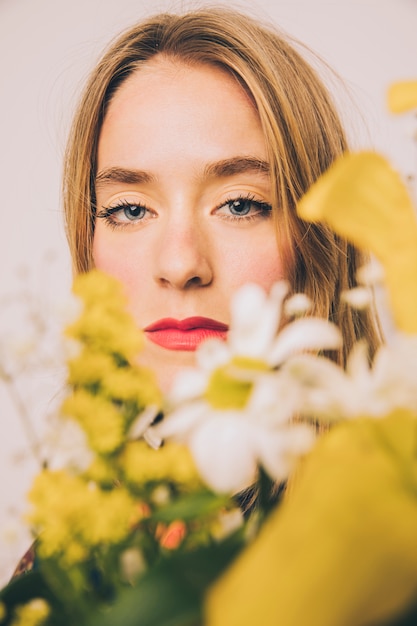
183	205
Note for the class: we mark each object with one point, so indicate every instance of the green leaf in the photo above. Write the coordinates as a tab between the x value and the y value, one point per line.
196	505
28	587
171	593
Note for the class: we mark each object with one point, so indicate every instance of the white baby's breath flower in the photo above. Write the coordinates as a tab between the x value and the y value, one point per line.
67	310
370	274
67	444
358	298
298	304
132	564
161	495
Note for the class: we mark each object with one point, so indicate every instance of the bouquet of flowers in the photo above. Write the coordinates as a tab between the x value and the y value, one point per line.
216	505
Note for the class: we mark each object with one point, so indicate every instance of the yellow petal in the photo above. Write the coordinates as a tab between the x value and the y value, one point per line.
363	199
342	548
402	96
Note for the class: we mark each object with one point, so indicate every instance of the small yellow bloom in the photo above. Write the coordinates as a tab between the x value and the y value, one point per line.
100	419
108	521
71	515
96	286
59	503
172	462
89	368
113	332
34	613
363	199
402	96
132	384
105	323
101	471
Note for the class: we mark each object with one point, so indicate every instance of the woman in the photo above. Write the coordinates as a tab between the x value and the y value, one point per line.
195	138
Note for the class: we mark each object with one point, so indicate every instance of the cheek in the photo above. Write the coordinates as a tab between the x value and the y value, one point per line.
114	258
261	262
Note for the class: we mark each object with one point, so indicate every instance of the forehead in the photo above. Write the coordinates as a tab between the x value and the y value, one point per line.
168	110
164	73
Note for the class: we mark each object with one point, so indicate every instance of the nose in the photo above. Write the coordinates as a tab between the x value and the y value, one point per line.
183	259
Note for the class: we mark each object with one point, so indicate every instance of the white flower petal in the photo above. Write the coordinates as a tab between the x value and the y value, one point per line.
275	398
179	423
277	452
357	365
189	383
298	304
372	273
212	353
304	334
255	319
223	453
325	389
142	422
358	298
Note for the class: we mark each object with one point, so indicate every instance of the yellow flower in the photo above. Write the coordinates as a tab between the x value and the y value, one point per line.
90	367
342	548
363	199
34	613
101	421
402	96
108	331
108	521
96	286
101	471
105	323
132	384
72	515
172	462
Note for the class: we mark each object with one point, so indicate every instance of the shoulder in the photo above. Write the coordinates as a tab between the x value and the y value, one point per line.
26	563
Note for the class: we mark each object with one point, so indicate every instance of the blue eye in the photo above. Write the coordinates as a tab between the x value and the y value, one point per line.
133	211
240	206
123	213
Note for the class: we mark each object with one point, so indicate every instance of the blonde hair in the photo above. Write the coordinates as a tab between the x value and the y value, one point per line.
301	127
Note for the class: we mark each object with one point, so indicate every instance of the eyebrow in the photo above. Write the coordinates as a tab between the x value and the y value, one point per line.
218	169
236	165
112	175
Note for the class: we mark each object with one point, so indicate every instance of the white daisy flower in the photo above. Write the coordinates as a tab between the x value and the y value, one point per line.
234	410
363	389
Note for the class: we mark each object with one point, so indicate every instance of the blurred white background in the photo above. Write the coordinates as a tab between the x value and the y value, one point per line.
46	50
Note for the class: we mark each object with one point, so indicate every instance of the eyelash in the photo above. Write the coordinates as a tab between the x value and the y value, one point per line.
263	210
108	212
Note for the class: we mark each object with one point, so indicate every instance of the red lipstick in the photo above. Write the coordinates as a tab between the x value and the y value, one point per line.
185	334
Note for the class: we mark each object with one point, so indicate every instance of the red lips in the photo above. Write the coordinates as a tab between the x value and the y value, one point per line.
185	334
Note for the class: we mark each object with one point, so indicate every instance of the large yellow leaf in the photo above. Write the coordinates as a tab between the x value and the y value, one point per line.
342	549
363	198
